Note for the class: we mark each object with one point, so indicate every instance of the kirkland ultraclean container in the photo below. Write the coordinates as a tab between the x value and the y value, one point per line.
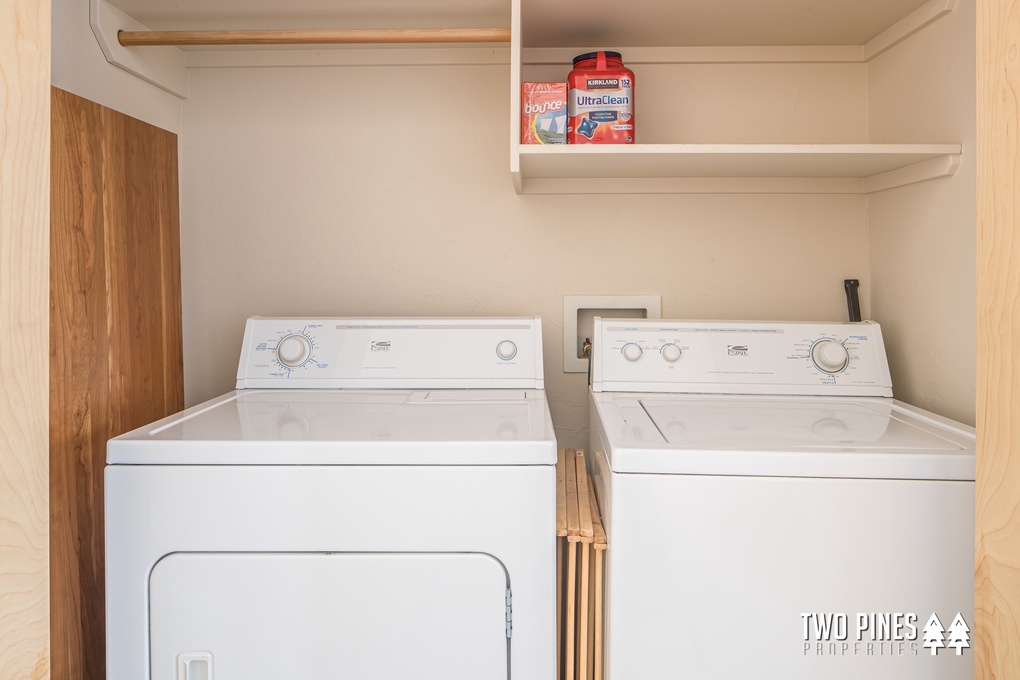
600	100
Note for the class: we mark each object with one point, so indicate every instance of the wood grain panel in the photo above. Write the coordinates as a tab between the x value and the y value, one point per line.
79	398
115	341
24	280
143	269
997	584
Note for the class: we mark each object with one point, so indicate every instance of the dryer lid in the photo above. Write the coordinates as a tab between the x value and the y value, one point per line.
332	427
876	438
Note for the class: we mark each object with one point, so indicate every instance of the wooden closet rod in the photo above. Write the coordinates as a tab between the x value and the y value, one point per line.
315	37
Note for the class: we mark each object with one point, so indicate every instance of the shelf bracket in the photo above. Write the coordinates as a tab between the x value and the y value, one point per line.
933	168
164	67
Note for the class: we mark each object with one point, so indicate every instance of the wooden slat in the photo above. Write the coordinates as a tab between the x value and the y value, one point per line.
24	327
579	575
573	516
561	492
595	627
561	547
598	620
599	531
115	339
570	610
316	36
582	611
583	505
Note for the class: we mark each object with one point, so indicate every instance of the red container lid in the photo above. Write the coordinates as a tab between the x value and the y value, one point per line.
594	55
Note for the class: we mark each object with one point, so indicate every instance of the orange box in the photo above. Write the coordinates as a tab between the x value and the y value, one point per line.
543	113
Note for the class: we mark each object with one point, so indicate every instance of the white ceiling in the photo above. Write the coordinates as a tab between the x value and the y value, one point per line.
557	23
671	23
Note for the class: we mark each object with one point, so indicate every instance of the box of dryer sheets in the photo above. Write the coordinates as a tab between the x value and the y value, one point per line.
543	113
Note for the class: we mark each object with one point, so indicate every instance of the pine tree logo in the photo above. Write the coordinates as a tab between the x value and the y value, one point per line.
959	634
933	634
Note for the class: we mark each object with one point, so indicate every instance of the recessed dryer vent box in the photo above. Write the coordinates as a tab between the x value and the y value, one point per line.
579	312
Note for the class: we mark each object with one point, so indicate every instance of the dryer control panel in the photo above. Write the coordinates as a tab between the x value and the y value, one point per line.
740	357
391	353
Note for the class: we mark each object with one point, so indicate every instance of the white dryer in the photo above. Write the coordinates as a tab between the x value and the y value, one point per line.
376	500
772	512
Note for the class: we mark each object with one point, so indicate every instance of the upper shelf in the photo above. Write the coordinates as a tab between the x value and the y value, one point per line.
713	32
730	168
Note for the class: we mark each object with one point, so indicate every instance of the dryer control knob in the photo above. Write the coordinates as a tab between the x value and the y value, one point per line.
506	350
670	352
293	350
632	351
829	356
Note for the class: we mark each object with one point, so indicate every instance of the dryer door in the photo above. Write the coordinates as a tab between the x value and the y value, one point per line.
376	616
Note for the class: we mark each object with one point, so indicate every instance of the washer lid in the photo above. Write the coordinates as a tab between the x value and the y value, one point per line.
331	427
875	438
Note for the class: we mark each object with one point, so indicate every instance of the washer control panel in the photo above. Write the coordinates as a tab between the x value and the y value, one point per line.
391	353
740	357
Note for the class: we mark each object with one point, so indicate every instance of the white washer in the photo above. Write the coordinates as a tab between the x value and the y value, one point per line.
771	511
375	500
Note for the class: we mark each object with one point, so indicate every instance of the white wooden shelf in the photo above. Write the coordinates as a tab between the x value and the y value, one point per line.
730	168
661	32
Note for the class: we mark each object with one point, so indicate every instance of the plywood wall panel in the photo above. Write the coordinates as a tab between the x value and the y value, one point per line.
24	243
115	346
997	593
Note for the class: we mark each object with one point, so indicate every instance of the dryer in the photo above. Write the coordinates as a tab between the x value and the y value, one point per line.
771	511
376	499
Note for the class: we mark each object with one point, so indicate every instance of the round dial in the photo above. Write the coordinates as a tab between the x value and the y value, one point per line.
293	350
292	427
670	352
506	350
829	356
830	428
632	351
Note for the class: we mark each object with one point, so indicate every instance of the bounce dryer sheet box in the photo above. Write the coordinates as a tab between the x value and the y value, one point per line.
543	113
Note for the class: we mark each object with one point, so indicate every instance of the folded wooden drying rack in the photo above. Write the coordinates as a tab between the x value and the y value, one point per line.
580	566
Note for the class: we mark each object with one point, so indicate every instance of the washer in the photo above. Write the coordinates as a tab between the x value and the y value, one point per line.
771	511
375	500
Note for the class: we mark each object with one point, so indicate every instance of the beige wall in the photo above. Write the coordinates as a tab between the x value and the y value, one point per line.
24	325
390	188
923	237
386	190
745	103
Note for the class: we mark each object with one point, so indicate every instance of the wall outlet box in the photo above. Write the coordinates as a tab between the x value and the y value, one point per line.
579	312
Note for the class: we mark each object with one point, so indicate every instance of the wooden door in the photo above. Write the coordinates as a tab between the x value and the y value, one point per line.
24	241
115	340
997	591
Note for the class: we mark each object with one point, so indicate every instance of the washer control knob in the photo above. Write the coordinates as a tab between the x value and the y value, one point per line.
632	351
829	356
293	350
670	352
506	350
